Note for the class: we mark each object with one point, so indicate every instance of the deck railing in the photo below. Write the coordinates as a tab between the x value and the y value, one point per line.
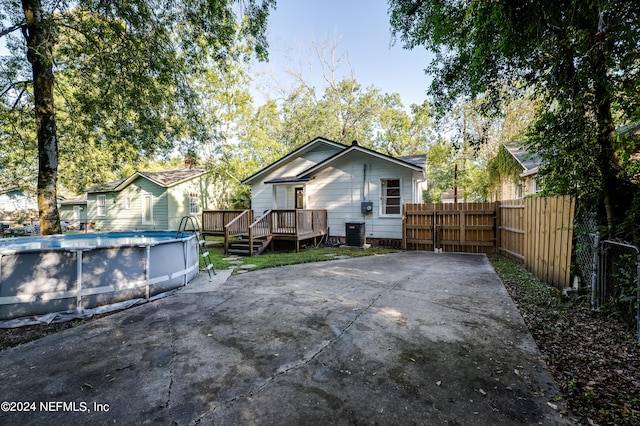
259	228
214	221
298	222
237	226
283	224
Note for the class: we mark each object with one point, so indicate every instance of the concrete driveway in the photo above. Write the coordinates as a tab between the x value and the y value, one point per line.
404	338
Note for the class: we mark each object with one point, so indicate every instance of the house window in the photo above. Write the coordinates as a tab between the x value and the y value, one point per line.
76	212
127	203
102	205
390	197
519	190
194	203
299	198
147	209
535	188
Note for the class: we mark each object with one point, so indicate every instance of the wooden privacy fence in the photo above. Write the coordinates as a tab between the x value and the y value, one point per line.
535	231
539	233
462	227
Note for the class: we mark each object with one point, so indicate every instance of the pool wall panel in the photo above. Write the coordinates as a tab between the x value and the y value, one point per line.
121	268
42	278
36	282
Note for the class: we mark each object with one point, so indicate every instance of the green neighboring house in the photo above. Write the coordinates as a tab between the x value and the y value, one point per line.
149	200
74	211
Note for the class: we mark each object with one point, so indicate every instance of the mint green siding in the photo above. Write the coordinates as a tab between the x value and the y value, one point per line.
66	212
168	205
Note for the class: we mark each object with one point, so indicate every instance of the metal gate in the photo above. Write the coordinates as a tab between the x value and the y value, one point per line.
616	278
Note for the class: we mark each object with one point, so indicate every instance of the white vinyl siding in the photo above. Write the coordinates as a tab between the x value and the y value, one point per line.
341	190
262	196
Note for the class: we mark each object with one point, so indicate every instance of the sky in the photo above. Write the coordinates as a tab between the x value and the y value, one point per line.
364	34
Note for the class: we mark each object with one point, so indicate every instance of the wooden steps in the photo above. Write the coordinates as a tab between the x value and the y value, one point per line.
241	246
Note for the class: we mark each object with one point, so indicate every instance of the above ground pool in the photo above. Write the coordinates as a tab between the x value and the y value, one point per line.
46	274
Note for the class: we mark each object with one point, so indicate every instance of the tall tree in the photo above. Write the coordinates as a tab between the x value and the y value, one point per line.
153	45
581	57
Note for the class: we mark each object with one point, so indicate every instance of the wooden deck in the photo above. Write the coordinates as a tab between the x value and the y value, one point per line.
214	221
255	235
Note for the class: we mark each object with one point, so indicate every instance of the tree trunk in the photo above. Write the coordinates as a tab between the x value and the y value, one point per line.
38	35
615	192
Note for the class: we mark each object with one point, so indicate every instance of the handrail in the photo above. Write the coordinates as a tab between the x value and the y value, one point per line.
261	227
214	221
239	225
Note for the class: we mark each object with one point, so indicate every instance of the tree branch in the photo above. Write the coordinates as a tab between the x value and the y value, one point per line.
11	29
14	85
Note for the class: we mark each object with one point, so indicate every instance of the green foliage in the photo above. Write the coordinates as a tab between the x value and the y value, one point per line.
503	167
241	199
345	111
624	282
581	65
125	88
471	180
440	170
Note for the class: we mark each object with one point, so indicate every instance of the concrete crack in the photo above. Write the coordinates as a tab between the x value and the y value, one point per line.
311	356
174	353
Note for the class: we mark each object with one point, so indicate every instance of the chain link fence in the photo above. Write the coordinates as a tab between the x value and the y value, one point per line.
610	269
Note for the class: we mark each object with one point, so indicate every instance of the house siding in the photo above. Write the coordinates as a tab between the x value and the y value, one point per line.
119	218
262	195
178	200
341	188
169	205
17	201
507	189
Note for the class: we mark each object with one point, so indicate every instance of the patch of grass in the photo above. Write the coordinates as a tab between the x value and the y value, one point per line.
282	258
319	254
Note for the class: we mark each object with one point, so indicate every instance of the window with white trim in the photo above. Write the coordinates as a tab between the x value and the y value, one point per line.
102	205
194	203
535	188
127	203
147	209
390	200
519	190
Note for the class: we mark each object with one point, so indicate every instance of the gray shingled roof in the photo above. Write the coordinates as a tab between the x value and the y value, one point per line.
527	160
416	160
164	179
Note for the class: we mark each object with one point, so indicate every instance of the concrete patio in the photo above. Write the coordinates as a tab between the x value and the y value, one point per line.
404	338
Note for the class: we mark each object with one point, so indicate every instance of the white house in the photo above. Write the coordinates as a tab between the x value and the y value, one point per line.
13	199
353	183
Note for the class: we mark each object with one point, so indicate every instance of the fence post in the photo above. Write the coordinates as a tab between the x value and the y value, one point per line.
497	223
596	268
404	226
638	294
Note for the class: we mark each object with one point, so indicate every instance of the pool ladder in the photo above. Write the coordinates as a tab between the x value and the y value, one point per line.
202	248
